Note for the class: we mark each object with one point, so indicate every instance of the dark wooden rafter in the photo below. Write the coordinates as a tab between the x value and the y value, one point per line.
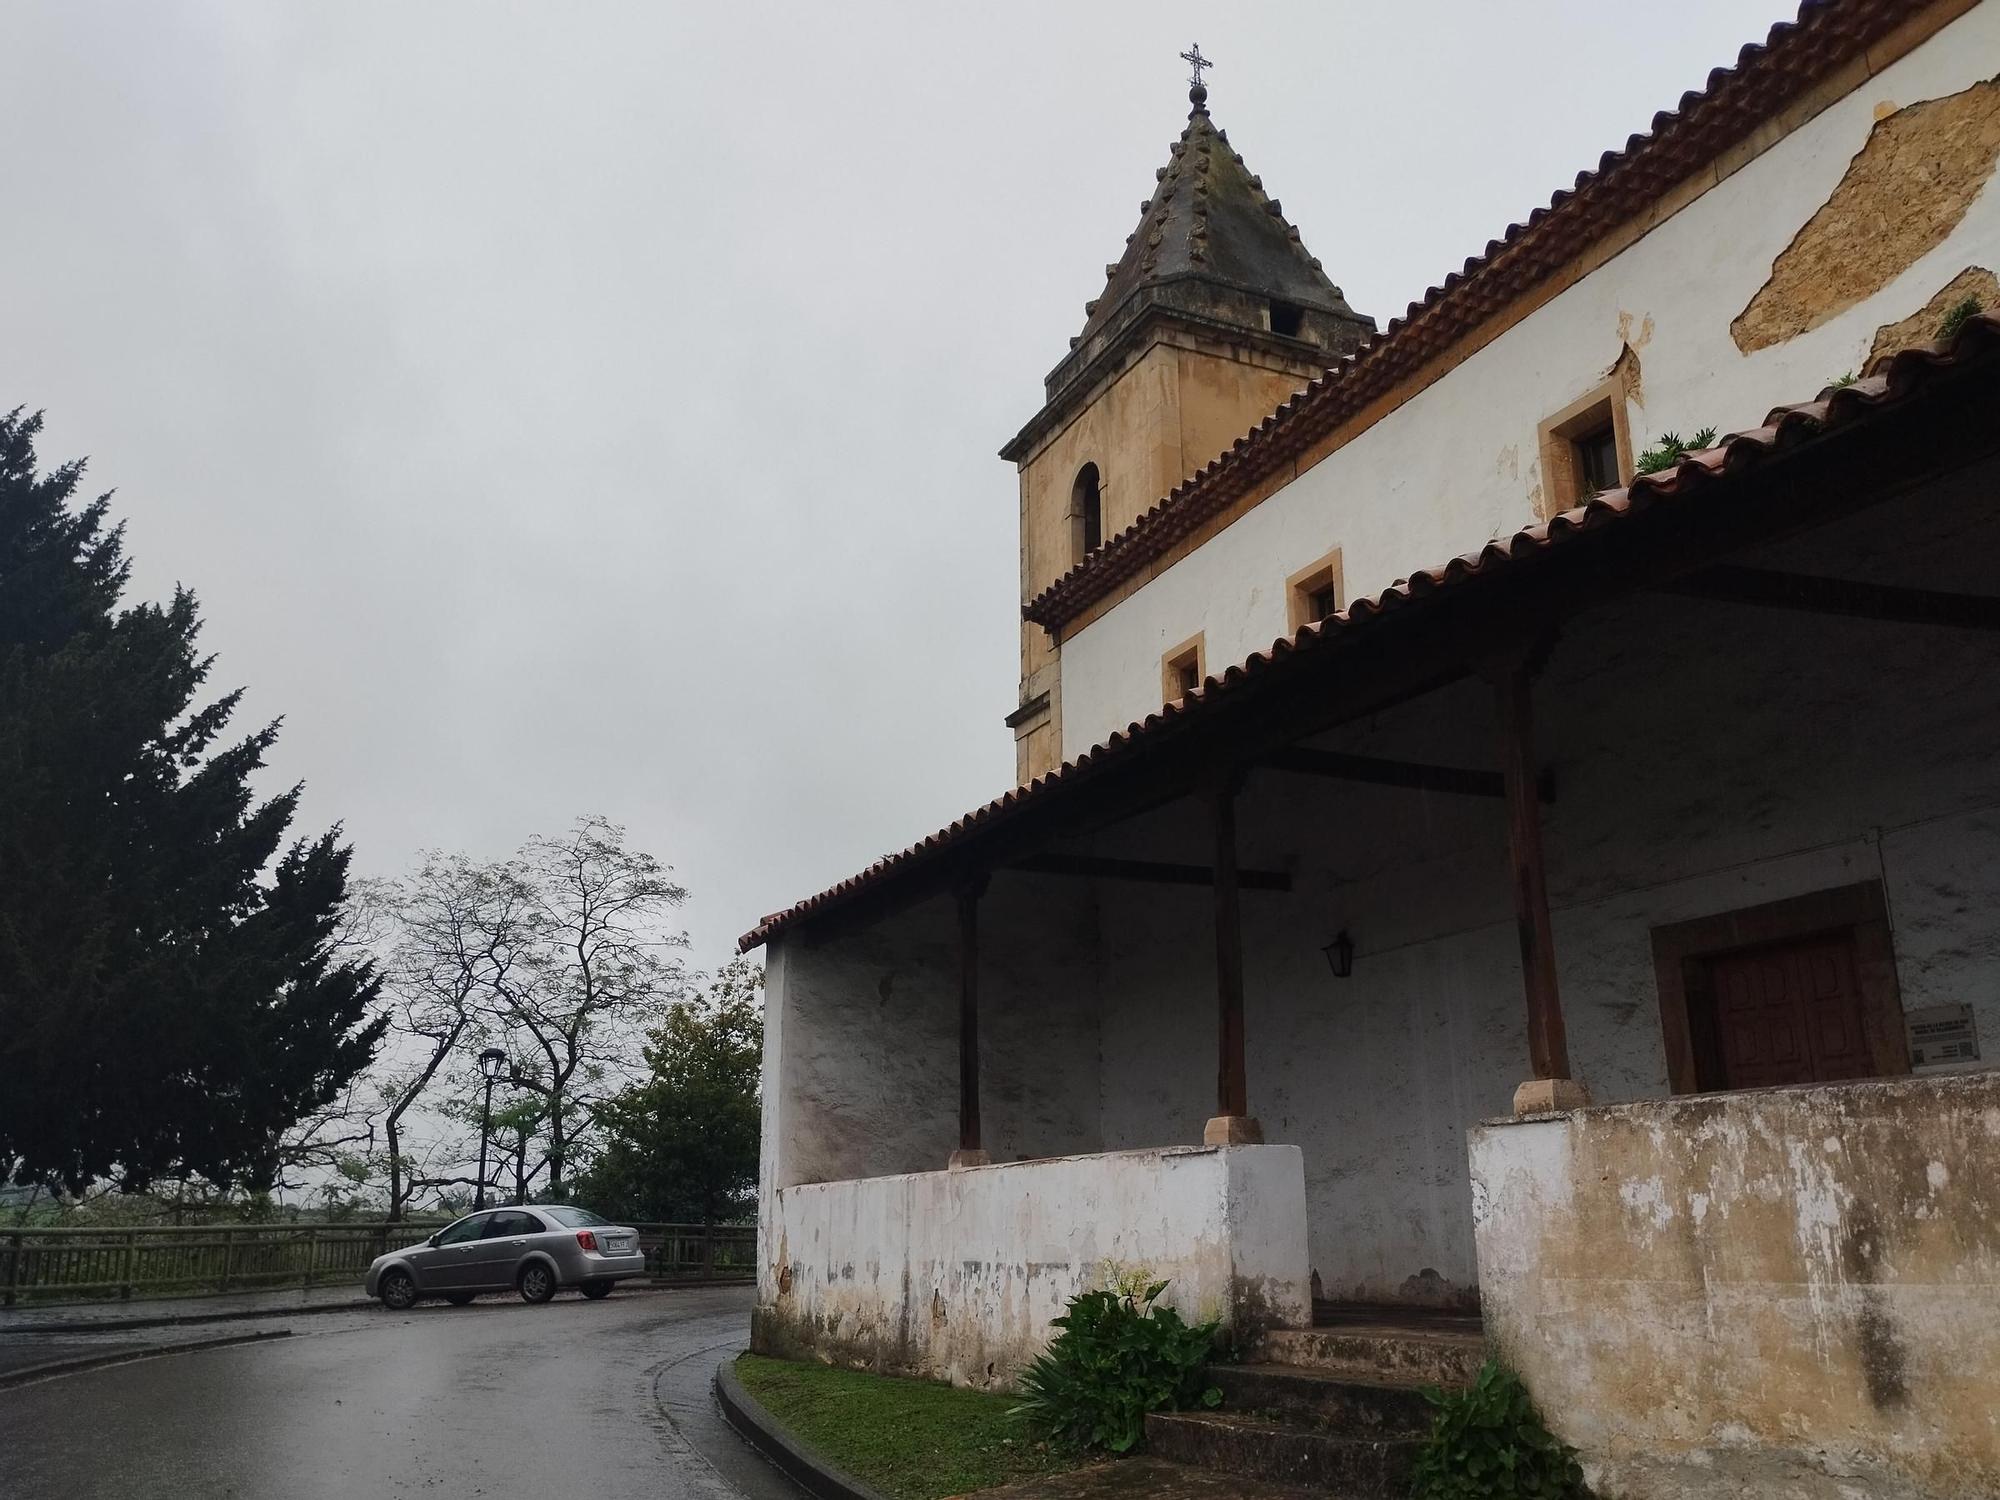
1232	1087
1548	1042
968	1014
1840	596
1154	871
1339	765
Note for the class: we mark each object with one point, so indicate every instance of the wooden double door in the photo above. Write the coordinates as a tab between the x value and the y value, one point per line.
1787	1012
1797	991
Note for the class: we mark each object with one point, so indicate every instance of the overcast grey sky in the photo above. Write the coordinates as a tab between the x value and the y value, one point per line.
576	407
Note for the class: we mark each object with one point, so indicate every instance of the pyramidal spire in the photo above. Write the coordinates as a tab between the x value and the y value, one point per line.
1213	268
1212	244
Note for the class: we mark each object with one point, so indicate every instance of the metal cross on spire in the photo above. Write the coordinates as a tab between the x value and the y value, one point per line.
1193	58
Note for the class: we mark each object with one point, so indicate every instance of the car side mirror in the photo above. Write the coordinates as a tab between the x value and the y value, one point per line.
433	1240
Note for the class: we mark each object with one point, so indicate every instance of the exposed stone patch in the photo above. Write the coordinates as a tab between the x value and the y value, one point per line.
1921	326
1902	194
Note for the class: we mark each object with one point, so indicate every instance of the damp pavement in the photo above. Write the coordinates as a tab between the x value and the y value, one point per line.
495	1399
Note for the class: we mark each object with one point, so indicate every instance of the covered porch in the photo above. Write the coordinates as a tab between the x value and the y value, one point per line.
1691	792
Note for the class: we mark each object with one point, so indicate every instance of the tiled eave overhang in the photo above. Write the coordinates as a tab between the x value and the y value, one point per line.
1797	55
1930	412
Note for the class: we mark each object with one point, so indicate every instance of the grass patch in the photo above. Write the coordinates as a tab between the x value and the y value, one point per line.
911	1439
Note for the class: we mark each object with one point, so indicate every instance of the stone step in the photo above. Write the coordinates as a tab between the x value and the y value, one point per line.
1323	1400
1255	1447
1145	1477
1398	1357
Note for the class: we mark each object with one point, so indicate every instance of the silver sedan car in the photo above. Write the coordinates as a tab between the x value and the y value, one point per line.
535	1250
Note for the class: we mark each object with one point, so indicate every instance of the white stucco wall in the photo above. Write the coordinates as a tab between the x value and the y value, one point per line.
957	1275
1809	1278
1458	464
861	1039
1707	758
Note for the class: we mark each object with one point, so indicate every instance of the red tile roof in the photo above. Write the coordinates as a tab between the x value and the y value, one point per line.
1901	379
1795	56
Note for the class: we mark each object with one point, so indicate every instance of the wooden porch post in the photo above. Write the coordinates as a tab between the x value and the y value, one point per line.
1232	1125
970	1152
1551	1087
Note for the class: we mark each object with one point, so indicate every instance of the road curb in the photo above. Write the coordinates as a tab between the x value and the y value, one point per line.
297	1310
54	1367
177	1320
784	1452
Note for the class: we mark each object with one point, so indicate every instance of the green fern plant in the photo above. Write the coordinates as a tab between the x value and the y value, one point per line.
1117	1357
1956	317
1839	381
1488	1442
1669	446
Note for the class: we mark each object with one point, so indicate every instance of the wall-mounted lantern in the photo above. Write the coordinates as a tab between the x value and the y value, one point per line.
1340	954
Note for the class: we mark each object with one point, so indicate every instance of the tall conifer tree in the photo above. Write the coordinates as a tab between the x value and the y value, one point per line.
170	999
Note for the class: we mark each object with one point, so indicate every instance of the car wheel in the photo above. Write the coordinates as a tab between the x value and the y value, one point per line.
537	1283
596	1289
459	1299
398	1292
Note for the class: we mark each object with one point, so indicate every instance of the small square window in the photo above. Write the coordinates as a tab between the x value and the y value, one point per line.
1586	449
1315	593
1287	319
1597	459
1183	670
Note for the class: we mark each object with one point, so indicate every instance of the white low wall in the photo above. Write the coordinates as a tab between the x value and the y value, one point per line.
1791	1293
957	1275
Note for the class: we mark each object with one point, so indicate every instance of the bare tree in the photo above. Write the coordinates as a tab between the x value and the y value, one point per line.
595	965
459	924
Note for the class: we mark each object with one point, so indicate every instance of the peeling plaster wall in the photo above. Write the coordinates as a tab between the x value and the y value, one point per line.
1706	758
1813	1276
1456	465
956	1275
861	1038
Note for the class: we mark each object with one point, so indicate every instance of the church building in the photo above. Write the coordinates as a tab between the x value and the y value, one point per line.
1506	851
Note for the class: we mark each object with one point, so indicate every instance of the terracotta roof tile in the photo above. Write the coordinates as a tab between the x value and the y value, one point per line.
1897	380
1795	56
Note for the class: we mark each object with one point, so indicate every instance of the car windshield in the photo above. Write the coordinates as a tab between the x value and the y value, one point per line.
575	1218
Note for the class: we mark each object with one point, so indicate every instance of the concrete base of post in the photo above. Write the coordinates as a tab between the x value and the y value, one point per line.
1232	1130
961	1159
1549	1096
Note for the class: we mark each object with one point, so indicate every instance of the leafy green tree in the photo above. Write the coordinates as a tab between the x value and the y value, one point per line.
172	997
681	1147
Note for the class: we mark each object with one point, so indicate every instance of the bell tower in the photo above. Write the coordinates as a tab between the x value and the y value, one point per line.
1212	318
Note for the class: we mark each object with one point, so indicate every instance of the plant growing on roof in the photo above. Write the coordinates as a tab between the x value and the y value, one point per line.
1488	1442
1668	448
1118	1356
1957	316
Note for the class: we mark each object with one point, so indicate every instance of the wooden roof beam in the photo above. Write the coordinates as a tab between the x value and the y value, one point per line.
1156	871
1839	596
1418	775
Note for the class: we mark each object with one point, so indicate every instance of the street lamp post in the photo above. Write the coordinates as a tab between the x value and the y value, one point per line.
491	1061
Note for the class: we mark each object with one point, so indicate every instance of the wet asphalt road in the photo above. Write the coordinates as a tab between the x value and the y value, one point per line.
605	1399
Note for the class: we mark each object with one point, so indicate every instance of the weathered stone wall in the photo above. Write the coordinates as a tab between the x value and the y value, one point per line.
956	1275
1786	1293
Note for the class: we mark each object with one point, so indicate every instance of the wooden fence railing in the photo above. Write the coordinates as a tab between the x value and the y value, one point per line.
87	1265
